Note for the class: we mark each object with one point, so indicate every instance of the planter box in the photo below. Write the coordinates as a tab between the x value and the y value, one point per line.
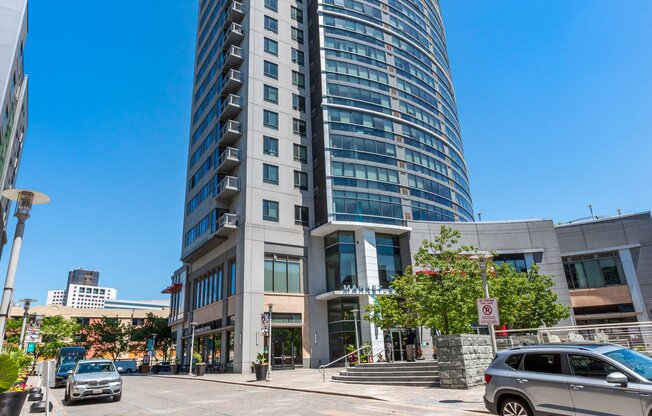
156	369
174	368
144	368
261	371
11	404
200	369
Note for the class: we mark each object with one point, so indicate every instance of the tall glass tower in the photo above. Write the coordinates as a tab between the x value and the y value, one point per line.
323	135
384	118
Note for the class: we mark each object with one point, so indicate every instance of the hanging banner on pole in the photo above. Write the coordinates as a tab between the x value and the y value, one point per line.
488	311
264	323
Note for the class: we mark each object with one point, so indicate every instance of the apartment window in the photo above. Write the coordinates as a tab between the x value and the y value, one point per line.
271	46
301	215
270	119
299	102
271	24
300	180
282	274
270	146
300	153
297	14
298	79
297	34
299	127
270	94
298	57
270	69
232	277
270	210
272	4
270	174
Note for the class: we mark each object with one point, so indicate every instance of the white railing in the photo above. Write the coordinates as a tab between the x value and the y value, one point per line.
229	153
322	368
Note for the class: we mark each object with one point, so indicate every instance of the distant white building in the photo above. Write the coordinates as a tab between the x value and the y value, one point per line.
136	304
88	297
56	297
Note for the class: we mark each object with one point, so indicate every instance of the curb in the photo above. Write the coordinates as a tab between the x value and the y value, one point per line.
237	383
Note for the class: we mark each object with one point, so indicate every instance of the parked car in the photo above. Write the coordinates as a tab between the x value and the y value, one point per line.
126	366
93	379
569	379
61	374
165	366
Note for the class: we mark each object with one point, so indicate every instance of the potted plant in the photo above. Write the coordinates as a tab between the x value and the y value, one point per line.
174	367
261	366
12	392
200	366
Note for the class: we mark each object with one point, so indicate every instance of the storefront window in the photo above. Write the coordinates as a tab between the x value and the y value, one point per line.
340	260
341	325
388	253
230	339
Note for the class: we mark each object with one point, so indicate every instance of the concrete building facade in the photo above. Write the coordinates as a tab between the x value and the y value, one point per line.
13	96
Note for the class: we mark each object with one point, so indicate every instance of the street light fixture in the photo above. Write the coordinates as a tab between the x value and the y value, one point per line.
192	345
24	201
357	338
483	258
26	304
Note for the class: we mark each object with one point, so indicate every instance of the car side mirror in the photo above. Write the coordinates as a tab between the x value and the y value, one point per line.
120	369
69	372
617	378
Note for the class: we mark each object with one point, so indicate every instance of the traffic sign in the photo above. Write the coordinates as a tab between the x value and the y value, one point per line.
488	311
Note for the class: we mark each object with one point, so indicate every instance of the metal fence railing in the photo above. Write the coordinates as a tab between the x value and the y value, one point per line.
634	335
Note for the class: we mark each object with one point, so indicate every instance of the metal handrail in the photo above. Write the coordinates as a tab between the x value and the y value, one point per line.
322	368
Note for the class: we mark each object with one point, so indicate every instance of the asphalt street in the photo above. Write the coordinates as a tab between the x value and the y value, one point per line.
166	396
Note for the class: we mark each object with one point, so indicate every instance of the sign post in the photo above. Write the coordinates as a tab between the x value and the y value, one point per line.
488	315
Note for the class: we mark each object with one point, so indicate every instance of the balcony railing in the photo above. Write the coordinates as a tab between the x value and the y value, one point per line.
231	106
227	188
231	82
236	12
234	35
225	225
233	58
229	159
229	133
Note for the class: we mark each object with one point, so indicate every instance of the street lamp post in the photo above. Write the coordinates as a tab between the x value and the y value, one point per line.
24	201
357	338
269	344
192	345
154	347
26	304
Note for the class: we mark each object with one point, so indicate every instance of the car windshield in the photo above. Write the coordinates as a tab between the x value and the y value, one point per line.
85	368
66	367
639	363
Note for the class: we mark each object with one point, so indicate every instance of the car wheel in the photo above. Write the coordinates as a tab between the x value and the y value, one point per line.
67	399
515	407
128	371
117	397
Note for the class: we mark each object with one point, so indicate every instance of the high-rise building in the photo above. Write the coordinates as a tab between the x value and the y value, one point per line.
83	277
13	96
56	297
320	129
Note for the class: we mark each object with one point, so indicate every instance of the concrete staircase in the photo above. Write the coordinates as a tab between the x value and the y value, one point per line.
418	374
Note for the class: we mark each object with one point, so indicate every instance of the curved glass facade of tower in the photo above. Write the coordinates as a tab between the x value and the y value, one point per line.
391	138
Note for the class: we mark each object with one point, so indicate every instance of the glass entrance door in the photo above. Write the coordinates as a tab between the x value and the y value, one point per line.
399	346
286	348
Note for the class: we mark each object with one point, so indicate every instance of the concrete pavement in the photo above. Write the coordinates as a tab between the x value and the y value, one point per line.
298	392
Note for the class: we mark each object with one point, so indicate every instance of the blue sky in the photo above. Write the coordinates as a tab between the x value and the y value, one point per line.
554	99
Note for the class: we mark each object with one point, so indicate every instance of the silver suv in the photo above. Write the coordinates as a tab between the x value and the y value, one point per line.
569	379
93	379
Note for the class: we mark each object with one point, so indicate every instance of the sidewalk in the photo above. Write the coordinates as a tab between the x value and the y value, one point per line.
310	380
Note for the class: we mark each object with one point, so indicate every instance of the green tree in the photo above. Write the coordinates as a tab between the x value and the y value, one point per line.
12	331
153	325
442	288
56	332
108	337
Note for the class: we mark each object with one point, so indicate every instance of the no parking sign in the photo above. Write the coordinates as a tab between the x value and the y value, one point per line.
488	311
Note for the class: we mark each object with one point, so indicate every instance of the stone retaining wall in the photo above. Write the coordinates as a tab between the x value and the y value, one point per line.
463	358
